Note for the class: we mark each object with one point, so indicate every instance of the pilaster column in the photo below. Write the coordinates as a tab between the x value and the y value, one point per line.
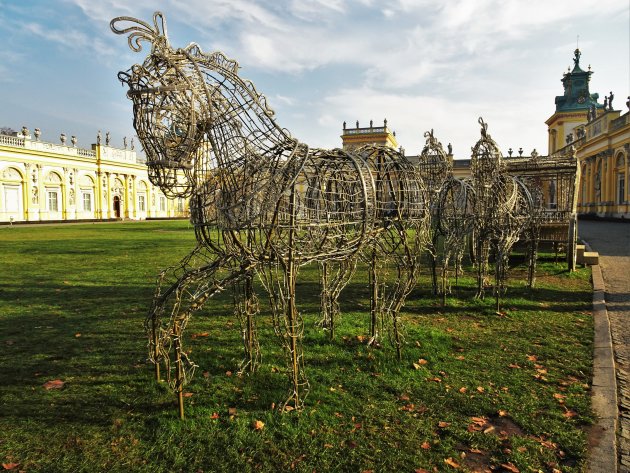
41	197
107	197
26	192
64	195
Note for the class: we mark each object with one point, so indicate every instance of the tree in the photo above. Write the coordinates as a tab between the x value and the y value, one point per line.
7	130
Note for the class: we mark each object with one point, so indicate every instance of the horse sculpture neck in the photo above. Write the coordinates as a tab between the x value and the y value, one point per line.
251	152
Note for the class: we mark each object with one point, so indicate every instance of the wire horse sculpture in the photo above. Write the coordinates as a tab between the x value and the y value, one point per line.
452	202
262	203
503	209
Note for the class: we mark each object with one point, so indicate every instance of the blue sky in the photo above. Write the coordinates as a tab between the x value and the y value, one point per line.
421	64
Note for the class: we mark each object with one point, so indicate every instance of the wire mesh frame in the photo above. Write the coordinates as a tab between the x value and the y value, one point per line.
261	202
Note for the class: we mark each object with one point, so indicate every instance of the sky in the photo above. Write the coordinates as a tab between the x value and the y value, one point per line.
421	64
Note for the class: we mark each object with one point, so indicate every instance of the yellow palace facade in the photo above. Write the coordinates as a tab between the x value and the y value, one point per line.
600	137
46	182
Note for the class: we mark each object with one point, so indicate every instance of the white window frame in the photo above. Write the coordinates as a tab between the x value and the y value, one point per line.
56	191
142	202
90	195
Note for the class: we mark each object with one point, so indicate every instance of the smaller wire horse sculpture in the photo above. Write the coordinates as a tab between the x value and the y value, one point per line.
262	203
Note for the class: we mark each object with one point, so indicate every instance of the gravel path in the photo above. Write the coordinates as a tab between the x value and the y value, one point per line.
612	241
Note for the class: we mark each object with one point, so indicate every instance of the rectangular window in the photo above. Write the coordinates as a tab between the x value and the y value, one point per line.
53	201
87	202
162	204
180	205
141	203
621	188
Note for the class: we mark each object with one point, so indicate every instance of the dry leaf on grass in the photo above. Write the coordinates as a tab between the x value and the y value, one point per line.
510	467
450	462
54	384
258	425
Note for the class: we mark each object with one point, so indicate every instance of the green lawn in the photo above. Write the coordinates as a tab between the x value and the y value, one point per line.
474	390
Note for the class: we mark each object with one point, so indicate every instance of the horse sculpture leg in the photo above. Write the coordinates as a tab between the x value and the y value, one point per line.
334	276
246	308
403	250
183	298
169	278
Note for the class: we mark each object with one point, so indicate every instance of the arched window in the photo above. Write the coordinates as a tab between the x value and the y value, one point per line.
142	194
597	182
584	179
54	200
11	195
86	201
620	172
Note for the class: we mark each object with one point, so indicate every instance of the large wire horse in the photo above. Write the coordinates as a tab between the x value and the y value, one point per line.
261	202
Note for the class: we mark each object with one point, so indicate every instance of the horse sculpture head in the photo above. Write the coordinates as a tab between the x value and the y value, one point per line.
193	114
170	104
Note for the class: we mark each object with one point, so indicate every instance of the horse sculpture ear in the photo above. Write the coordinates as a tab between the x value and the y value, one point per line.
141	31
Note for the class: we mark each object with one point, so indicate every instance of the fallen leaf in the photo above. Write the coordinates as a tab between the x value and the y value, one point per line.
422	361
258	425
327	445
502	413
463	389
215	415
514	366
77	335
231	411
206	374
480	389
54	384
404	397
443	425
425	446
228	373
450	462
421	470
532	358
199	335
477	451
460	357
10	466
288	408
569	413
510	467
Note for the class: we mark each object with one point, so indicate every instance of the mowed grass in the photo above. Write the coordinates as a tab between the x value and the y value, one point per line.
475	390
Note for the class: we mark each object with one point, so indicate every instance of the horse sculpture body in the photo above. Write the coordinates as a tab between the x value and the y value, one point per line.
261	202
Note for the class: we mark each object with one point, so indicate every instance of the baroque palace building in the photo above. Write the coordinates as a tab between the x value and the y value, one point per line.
45	182
600	137
597	135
